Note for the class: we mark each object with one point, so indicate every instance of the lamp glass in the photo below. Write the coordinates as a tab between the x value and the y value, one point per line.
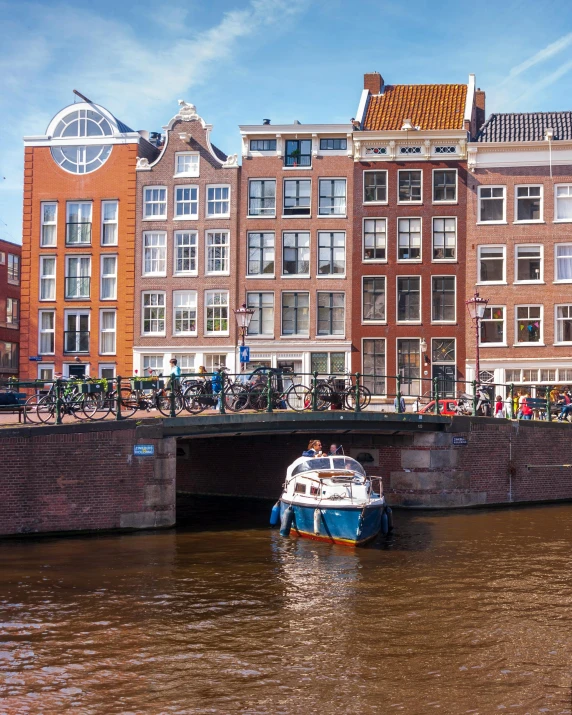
243	316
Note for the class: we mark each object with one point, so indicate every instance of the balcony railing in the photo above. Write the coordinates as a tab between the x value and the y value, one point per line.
78	233
76	341
77	287
298	160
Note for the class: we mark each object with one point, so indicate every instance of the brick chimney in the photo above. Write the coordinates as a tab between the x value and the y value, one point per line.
373	82
480	108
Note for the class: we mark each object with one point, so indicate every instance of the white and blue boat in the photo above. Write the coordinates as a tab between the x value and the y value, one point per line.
332	499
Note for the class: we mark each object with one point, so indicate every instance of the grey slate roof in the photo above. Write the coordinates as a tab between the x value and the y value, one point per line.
123	128
221	155
526	127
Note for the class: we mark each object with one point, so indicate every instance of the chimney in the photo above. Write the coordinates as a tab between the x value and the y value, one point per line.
480	108
373	82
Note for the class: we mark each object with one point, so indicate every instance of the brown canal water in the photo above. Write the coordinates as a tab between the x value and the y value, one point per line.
460	612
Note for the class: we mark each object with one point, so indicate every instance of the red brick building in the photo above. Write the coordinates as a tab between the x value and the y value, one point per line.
10	276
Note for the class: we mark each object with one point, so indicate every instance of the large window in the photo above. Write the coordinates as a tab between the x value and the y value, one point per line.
153	313
263	145
445	239
443	299
331	253
332	200
374	299
13	269
216	307
375	187
108	287
13	312
563	269
47	278
328	363
563	201
78	277
493	326
409	239
218	252
375	239
109	218
155	254
155	202
333	144
49	213
186	202
409	365
409	186
528	324
262	322
408	299
152	364
9	355
47	329
444	185
107	332
262	197
218	201
187	163
296	254
528	203
76	334
184	312
492	207
297	197
331	313
443	365
298	152
528	264
491	264
373	365
185	253
78	224
260	254
563	323
295	313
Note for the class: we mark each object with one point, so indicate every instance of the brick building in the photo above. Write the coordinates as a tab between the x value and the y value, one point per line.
78	245
409	232
519	248
10	256
186	255
295	248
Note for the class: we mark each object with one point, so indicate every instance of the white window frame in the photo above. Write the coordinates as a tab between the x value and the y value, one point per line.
186	217
295	335
415	202
557	321
46	332
376	203
556	187
289	276
175	307
384	394
528	282
107	332
103	275
164	247
107	222
373	260
90	222
410	260
264	292
217	215
504	202
445	201
364	320
334	276
504	344
193	173
556	279
106	366
192	232
81	256
50	277
333	215
46	366
309	207
528	344
263	276
528	186
419	380
444	260
504	260
78	313
445	322
262	215
205	310
226	246
419	320
330	336
53	223
164	306
156	217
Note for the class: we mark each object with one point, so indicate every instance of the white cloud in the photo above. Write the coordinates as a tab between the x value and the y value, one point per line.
540	56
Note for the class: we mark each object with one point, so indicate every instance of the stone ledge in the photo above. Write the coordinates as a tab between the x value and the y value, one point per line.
444	500
147	519
429	481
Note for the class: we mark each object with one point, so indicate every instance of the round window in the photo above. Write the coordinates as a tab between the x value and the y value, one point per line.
80	159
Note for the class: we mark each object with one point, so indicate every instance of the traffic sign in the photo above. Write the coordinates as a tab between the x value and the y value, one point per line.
35	358
245	354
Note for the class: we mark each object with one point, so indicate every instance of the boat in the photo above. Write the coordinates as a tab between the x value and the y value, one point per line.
332	499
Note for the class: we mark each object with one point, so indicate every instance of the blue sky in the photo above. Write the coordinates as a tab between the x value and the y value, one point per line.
242	60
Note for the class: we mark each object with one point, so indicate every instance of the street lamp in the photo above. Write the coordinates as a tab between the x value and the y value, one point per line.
476	307
243	317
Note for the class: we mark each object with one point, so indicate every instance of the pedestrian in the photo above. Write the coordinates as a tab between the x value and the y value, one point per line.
565	406
499	411
525	408
399	402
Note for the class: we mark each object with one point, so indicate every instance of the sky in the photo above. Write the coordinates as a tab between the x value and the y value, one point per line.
240	61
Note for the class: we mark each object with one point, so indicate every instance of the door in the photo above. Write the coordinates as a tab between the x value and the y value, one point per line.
445	375
76	372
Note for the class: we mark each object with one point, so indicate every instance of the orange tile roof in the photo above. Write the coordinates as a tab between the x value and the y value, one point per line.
429	106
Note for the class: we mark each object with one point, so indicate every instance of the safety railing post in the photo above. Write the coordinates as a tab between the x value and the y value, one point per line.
357	407
548	415
118	415
222	406
58	402
436	394
474	398
511	394
172	412
315	391
398	381
269	394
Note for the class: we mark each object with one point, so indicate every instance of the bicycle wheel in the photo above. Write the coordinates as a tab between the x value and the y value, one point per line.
102	406
194	399
299	398
163	402
129	402
258	398
235	397
46	411
364	397
324	396
31	409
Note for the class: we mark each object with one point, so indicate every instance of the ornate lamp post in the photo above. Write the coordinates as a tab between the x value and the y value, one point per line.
243	317
476	307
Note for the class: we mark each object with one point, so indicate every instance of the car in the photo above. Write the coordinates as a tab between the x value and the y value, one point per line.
449	408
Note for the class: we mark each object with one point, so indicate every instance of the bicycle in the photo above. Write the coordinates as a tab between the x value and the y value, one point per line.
71	402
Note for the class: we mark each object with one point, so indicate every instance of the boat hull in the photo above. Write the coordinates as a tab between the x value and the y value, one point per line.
352	526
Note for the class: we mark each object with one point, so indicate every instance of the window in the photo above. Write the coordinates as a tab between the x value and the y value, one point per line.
296	254
528	264
409	365
375	187
528	203
333	144
155	202
331	313
444	185
216	303
153	313
374	239
184	312
331	253
443	299
83	123
374	299
444	239
564	323
295	313
109	212
218	201
2	258
548	376
332	197
409	186
49	214
563	200
443	365
564	262
297	194
107	332
46	372
154	254
409	150
493	326
328	363
78	226
263	145
262	197
47	324
408	299
9	355
186	362
76	334
78	277
186	202
218	252
212	361
262	322
298	152
260	254
445	149
106	372
492	204
152	364
47	278
13	269
187	164
373	365
409	239
13	312
80	159
185	253
491	264
108	289
528	324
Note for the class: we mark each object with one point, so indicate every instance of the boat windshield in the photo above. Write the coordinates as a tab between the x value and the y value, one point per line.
325	463
348	463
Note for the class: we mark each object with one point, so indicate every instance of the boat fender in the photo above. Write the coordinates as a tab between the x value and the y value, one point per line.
384	523
317	521
275	514
389	512
287	519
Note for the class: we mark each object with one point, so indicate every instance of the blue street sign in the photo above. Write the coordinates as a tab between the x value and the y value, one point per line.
244	354
35	358
143	450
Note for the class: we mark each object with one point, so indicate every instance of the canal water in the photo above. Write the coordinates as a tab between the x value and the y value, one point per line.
460	612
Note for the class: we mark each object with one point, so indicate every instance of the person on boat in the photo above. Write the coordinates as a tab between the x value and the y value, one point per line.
333	450
314	449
